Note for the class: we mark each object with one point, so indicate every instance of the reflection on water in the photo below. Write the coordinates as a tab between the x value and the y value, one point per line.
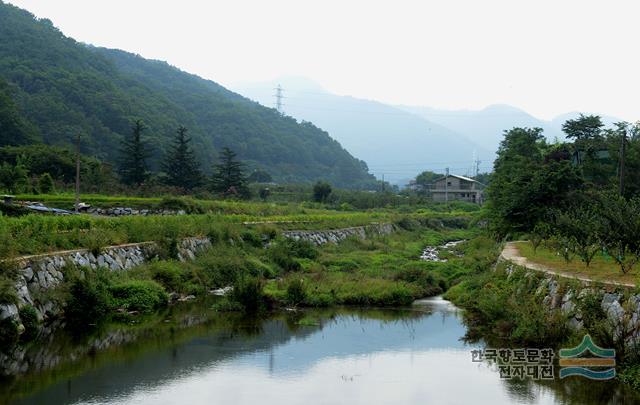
317	357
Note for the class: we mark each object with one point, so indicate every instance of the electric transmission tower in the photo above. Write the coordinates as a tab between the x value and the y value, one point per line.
279	98
476	164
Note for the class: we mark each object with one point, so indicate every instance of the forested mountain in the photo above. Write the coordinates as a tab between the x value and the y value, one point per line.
394	142
57	87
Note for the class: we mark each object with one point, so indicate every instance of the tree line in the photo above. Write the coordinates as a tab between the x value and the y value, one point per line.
180	168
580	196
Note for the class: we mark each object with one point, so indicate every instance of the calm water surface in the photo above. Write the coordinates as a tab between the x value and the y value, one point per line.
409	356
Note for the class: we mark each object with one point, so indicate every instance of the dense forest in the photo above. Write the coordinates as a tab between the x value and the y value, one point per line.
53	88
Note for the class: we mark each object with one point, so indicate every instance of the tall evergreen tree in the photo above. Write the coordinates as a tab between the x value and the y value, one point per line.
133	166
229	177
181	166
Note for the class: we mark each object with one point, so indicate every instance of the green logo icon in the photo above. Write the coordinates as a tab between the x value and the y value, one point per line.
600	367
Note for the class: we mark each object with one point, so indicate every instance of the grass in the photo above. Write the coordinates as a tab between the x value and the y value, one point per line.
602	268
383	271
37	233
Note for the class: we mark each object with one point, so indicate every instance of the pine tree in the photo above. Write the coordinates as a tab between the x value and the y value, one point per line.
133	166
181	166
229	177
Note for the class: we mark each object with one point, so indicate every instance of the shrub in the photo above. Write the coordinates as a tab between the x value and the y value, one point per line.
408	224
95	241
301	248
283	257
8	332
139	295
29	319
176	204
248	292
346	265
251	238
7	290
167	274
296	291
631	375
89	302
13	210
222	267
423	278
45	184
168	248
270	232
214	235
227	305
321	191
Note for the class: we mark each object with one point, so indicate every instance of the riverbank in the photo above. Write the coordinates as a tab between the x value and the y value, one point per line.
514	305
267	265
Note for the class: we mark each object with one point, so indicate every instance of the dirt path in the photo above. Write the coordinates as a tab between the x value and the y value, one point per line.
512	254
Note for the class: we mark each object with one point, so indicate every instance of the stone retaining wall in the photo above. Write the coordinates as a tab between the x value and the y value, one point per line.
620	303
39	273
337	235
42	272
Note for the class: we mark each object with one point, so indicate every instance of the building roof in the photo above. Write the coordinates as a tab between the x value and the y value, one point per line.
460	177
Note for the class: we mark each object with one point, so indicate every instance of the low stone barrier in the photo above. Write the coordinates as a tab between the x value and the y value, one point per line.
124	211
620	303
39	273
336	235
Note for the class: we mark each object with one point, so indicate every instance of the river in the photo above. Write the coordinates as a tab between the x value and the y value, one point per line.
334	356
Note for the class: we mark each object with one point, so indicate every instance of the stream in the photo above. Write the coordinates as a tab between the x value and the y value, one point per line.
413	355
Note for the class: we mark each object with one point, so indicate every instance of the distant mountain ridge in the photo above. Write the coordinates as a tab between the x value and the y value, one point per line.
487	126
395	143
62	88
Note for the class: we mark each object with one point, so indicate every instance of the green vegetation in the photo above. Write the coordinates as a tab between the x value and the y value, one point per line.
133	158
601	268
180	166
505	308
577	197
57	88
229	178
321	191
265	269
377	272
35	233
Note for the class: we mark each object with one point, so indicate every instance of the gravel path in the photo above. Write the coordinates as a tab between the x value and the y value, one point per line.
511	253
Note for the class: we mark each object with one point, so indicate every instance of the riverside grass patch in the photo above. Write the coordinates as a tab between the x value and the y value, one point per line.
380	271
37	233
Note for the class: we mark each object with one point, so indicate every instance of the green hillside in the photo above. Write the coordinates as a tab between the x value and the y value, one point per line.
57	87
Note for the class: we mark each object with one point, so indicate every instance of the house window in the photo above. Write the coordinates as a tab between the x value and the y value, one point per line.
448	183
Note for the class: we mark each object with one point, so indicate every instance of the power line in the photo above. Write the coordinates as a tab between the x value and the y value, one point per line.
420	163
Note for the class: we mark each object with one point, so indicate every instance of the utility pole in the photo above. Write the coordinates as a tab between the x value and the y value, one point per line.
77	205
446	187
279	98
383	182
621	168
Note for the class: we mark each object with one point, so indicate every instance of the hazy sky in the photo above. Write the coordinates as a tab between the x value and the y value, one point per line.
547	57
